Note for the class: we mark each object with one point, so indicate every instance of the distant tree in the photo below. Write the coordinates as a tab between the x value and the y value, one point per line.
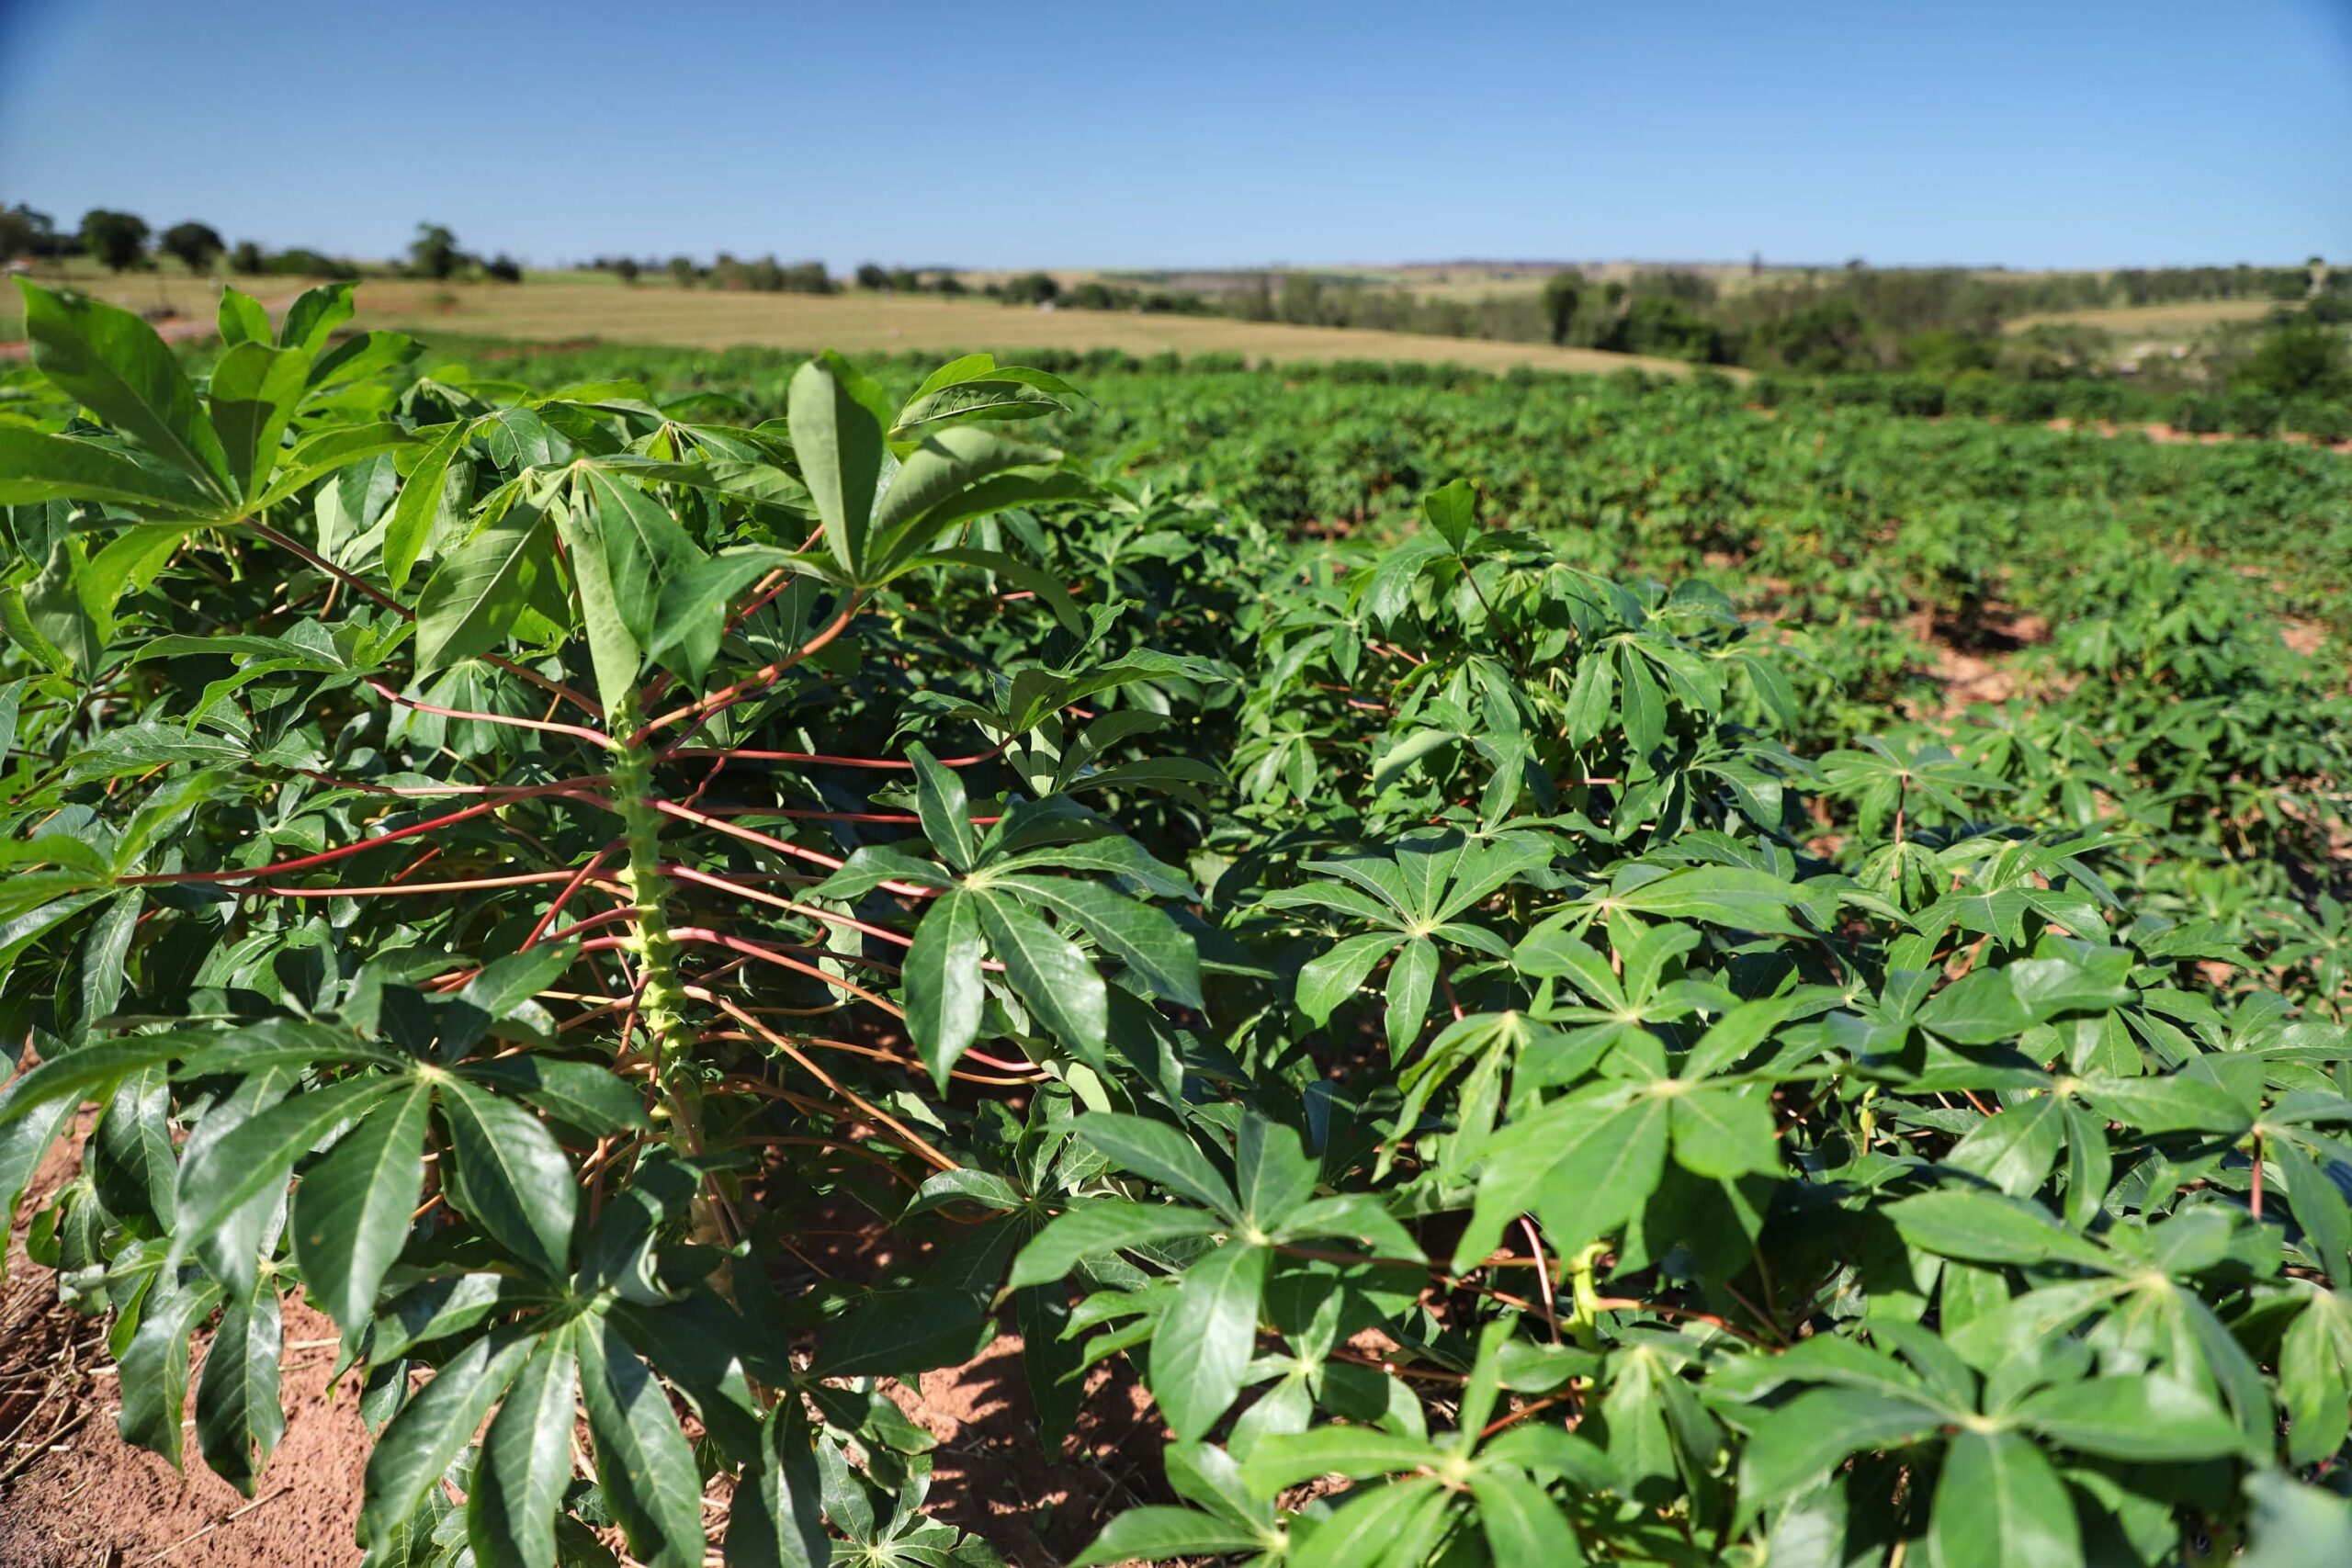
246	258
906	280
115	240
2303	359
948	283
873	275
1031	288
682	271
1941	352
25	232
1818	340
626	269
434	252
1302	300
300	262
1561	292
502	268
197	246
808	277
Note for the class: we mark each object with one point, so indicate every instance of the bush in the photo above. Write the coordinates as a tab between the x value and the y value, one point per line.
2323	419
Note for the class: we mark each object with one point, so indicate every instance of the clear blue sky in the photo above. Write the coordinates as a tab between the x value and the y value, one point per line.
2072	133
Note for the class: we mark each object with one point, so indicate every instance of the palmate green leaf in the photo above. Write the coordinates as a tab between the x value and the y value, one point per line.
316	456
35	467
1272	1174
1160	1534
242	319
1550	1451
218	1180
1142	938
134	1147
2016	1149
351	1211
1724	1133
1205	1338
944	995
1049	972
1524	1528
526	1463
1093	1230
1982	1227
614	652
1411	980
2138	1418
58	618
902	1332
1719	895
2174	1103
777	1517
944	464
1583	1169
476	597
643	1464
254	390
117	366
1013	490
155	1365
24	1140
838	439
1159	1153
424	1439
585	1095
360	354
644	548
2318	1206
2000	1505
944	808
238	1417
1393	1524
1325	982
508	1174
1354	1216
504	984
977	388
1804	1440
411	523
2296	1525
1282	1460
691	615
1979	1008
314	315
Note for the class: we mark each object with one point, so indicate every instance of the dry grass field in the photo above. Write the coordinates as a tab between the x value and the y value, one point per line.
563	307
853	323
2175	322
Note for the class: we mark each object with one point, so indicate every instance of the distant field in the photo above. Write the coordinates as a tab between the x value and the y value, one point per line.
702	318
144	291
2184	320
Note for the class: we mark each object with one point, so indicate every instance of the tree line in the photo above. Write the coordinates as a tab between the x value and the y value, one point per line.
123	242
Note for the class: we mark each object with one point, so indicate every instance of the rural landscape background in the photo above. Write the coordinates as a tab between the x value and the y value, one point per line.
1303	786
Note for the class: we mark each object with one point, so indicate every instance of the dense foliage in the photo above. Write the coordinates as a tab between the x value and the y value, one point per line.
1527	1065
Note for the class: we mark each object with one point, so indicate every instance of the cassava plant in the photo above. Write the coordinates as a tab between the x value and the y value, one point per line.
528	871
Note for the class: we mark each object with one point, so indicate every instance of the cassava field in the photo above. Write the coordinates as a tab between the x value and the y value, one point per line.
1424	967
